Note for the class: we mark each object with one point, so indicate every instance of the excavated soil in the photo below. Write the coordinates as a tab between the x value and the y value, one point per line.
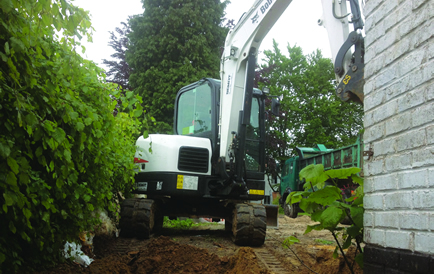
209	249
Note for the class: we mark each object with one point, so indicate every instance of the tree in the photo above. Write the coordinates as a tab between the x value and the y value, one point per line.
173	44
310	112
62	152
119	70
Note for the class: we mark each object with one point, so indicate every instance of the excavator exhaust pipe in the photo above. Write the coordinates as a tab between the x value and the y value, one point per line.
272	212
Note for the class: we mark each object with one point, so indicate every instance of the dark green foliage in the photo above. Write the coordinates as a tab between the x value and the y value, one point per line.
173	44
119	70
62	152
327	203
310	112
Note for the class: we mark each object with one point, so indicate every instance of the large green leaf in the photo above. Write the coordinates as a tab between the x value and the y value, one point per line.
342	173
353	231
357	215
309	206
331	217
313	227
296	196
326	196
312	173
356	179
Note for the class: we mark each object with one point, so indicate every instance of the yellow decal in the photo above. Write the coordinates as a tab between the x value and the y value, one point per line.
179	181
346	79
256	192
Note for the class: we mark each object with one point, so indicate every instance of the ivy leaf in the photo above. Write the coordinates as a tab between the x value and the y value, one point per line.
5	151
38	151
137	113
12	228
11	179
88	121
31	119
6	6
46	217
73	115
86	198
59	135
48	126
2	257
7	51
129	94
67	154
27	213
80	126
8	199
13	165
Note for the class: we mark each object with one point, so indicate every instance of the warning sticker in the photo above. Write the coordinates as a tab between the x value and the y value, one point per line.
256	192
187	182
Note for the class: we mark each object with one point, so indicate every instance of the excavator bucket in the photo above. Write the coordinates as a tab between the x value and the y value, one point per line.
272	212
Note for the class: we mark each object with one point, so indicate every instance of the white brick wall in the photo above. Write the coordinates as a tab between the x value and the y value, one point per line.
399	124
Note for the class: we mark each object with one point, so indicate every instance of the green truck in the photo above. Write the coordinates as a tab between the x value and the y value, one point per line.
344	157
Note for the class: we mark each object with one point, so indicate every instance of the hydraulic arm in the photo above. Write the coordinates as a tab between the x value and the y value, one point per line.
347	48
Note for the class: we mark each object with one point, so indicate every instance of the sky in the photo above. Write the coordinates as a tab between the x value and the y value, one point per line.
297	25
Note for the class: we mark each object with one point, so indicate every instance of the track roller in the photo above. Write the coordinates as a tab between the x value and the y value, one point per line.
137	218
249	224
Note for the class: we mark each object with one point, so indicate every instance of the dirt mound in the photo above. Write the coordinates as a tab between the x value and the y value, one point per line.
211	250
164	255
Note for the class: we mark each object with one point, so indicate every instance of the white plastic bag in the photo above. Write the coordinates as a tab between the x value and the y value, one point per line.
74	250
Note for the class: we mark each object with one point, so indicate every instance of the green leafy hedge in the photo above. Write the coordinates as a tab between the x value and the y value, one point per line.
62	151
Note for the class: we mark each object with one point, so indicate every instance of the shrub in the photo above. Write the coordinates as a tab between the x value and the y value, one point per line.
62	152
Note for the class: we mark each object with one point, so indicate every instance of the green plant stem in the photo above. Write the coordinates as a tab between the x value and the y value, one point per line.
342	251
358	245
295	254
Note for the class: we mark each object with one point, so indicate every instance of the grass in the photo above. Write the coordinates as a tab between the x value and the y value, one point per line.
184	224
324	242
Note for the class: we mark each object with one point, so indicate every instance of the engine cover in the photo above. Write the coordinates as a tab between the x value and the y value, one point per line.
173	153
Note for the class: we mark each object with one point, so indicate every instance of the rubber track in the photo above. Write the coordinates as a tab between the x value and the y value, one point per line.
137	218
249	225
